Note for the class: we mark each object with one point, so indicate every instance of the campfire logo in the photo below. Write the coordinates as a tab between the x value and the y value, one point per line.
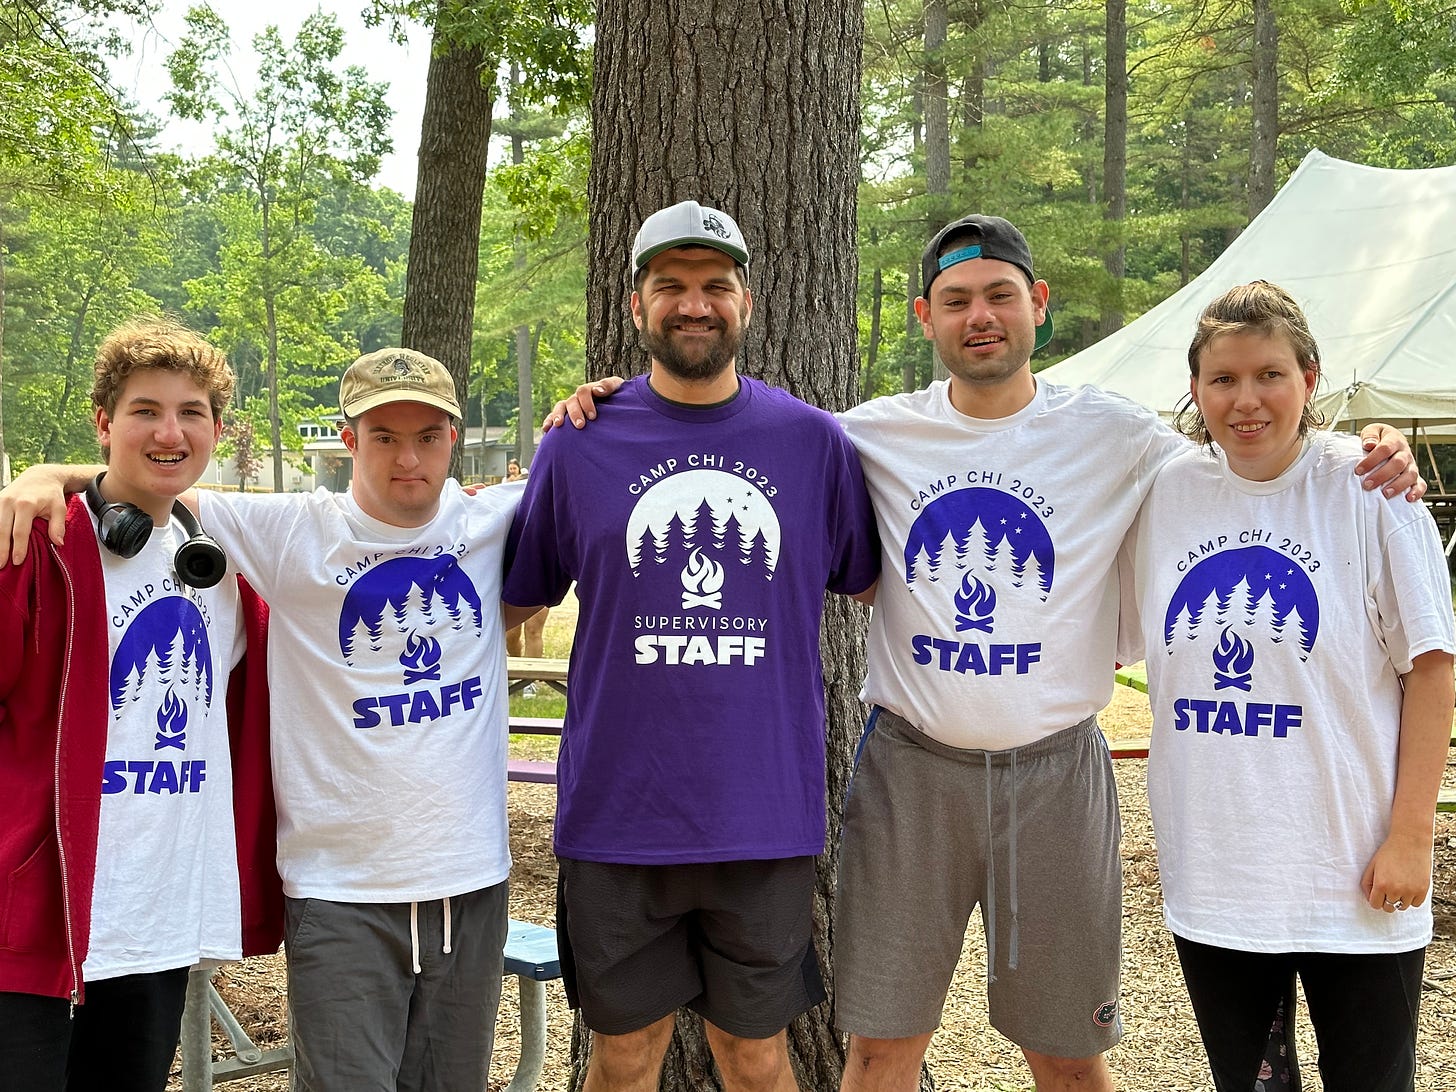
979	540
391	612
975	605
702	581
705	530
164	657
1244	596
172	722
1233	660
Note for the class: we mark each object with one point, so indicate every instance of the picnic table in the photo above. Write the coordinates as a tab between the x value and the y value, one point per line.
524	670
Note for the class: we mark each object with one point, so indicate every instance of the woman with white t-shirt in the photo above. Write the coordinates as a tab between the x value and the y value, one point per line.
1299	641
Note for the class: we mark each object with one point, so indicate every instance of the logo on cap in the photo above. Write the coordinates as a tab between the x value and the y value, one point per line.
716	226
964	254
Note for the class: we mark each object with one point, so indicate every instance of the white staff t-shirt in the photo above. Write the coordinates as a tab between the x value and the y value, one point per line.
166	889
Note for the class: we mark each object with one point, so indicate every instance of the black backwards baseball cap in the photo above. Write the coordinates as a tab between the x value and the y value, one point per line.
977	236
687	224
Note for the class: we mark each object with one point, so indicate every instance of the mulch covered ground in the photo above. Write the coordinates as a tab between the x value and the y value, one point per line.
1160	1052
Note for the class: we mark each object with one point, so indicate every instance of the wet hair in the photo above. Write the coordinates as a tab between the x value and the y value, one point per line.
1258	307
149	342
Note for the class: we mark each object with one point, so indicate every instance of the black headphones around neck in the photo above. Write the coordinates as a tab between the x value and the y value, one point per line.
124	529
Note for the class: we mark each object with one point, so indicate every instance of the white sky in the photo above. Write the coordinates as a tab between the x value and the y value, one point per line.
143	75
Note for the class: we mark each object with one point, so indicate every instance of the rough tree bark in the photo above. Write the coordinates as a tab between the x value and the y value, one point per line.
754	109
936	14
1114	156
937	116
1265	139
4	457
525	407
444	253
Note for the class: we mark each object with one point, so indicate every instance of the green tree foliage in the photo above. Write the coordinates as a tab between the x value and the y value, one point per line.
307	129
1369	80
72	277
56	115
56	106
538	207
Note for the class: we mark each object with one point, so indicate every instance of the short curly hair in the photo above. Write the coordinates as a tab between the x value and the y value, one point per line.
152	342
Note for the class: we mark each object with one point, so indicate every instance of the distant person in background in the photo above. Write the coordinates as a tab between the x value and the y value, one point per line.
534	629
1300	643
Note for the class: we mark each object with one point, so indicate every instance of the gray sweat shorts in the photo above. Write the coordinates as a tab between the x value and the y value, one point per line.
1031	836
394	997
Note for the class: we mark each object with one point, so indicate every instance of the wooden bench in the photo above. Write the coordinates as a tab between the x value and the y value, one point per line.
1135	677
530	955
1128	748
534	770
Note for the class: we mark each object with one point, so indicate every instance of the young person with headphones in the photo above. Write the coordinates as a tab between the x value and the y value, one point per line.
138	838
387	669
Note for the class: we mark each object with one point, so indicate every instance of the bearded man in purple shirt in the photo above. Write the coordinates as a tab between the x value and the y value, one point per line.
702	531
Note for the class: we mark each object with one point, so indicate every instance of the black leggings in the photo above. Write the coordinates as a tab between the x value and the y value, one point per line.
123	1039
1364	1009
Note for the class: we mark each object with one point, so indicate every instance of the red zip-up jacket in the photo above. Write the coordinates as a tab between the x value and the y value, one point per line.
54	712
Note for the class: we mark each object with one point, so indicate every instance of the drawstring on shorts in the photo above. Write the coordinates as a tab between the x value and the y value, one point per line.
988	908
415	933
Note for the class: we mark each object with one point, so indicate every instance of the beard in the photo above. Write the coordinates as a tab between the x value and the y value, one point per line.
694	363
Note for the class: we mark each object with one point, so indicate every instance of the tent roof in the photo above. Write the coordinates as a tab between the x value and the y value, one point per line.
1369	253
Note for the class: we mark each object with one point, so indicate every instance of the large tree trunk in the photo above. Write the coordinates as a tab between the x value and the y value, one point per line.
525	406
915	345
937	117
4	457
755	110
1265	137
1114	157
444	253
937	129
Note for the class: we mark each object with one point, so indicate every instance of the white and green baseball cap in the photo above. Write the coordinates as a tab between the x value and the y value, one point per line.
687	224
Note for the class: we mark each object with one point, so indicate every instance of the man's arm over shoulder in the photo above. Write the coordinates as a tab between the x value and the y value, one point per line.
537	562
39	493
256	531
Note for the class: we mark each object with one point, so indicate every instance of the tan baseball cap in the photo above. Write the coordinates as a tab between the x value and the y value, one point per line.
396	375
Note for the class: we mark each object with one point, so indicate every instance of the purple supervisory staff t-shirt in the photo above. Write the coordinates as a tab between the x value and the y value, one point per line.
701	541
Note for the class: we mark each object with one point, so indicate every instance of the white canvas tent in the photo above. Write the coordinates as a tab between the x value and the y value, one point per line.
1369	253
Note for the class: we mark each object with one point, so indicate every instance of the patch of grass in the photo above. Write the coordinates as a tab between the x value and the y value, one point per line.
545	703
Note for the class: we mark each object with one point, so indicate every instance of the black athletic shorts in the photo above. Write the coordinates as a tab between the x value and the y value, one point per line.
730	940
